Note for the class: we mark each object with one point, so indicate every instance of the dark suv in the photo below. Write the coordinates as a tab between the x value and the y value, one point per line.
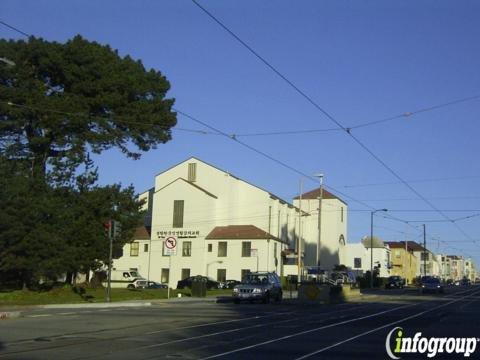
262	286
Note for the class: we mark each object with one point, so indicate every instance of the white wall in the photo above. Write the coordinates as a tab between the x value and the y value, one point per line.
380	256
332	227
231	202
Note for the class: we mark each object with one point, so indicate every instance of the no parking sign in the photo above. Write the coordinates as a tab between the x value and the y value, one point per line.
170	246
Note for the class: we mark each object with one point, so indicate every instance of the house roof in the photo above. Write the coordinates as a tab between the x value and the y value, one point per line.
412	245
189	183
315	194
142	233
249	232
273	196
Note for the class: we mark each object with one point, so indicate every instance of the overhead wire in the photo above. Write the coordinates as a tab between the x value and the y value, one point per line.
233	137
328	116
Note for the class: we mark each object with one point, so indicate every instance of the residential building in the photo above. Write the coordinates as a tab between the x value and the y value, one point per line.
454	266
222	226
328	250
470	271
404	261
359	257
427	263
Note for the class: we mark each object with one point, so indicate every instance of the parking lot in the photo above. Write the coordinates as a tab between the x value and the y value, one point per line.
203	329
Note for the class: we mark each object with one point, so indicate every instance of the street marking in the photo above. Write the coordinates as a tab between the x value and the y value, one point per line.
67	313
217	323
312	330
379	328
39	315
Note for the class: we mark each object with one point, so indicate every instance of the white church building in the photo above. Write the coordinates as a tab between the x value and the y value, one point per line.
223	227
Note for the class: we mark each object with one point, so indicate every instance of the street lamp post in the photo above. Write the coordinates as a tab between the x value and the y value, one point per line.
371	244
320	178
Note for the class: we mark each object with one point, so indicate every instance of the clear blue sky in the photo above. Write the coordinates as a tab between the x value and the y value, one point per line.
361	61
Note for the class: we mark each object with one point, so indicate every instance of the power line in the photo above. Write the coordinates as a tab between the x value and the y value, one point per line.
413	181
412	113
88	117
367	124
252	148
14	29
326	114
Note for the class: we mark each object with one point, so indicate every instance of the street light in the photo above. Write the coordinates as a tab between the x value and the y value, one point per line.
371	244
320	178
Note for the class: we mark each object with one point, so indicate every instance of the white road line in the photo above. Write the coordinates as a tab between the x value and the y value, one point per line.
355	307
308	331
39	315
246	328
67	313
217	323
379	328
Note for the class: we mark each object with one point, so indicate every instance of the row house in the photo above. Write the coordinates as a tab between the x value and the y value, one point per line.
404	261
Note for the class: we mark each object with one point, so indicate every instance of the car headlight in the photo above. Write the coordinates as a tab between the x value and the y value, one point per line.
257	290
235	290
438	286
423	286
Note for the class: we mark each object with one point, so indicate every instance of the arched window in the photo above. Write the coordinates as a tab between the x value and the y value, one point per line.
341	240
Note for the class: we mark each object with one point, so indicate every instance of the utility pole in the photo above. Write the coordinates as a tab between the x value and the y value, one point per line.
371	244
299	248
320	177
424	252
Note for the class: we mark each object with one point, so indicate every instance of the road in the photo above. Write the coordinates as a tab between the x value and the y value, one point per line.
207	330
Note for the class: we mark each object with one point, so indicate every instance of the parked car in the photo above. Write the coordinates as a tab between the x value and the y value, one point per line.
466	282
230	284
137	284
156	285
395	282
431	284
187	283
262	286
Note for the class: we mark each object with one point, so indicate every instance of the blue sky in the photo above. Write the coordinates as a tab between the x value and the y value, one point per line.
361	61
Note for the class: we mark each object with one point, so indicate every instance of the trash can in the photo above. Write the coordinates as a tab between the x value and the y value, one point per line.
199	287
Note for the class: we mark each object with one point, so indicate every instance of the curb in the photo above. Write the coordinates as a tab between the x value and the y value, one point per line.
95	305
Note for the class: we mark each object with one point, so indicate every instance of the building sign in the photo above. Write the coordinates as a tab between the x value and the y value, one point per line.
178	233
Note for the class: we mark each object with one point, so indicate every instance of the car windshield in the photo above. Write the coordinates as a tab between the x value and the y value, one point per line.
256	279
134	274
431	281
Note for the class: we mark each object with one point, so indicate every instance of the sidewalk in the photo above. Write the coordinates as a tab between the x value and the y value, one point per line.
15	311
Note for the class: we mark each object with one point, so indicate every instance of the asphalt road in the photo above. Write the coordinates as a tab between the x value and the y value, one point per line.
202	330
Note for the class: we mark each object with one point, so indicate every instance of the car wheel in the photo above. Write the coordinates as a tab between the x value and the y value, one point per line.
279	297
130	286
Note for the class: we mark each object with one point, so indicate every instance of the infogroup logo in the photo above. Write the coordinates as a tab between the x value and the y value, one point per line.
431	346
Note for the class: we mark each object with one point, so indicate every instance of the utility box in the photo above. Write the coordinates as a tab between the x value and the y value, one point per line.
199	287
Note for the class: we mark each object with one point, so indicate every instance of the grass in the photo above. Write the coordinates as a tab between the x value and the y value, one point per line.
69	295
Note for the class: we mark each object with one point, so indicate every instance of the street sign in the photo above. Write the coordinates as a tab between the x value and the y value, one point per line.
170	246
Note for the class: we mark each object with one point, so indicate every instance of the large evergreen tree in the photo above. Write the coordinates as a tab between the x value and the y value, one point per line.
58	103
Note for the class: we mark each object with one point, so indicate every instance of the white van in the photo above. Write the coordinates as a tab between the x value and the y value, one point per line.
130	279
